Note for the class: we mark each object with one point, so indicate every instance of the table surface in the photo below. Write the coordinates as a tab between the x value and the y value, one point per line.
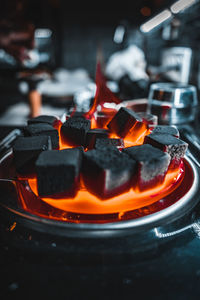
35	267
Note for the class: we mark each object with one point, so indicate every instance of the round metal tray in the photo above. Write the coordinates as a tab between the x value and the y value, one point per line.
9	203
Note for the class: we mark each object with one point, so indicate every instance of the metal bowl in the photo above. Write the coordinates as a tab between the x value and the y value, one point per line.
184	204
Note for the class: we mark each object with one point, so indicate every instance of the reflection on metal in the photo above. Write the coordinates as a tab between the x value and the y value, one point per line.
43	33
168	234
156	21
195	226
189	153
177	62
180	5
119	34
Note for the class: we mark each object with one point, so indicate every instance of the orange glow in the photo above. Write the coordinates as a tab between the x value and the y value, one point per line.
87	203
12	227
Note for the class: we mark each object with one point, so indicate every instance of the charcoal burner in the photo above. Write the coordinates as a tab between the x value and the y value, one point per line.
168	209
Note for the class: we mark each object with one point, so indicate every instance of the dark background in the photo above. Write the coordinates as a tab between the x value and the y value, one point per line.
81	29
34	267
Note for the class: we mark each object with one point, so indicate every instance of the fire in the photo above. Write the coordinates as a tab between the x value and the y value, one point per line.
103	95
85	202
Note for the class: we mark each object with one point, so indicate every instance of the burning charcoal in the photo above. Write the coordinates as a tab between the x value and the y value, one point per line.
58	172
102	143
127	122
152	165
74	131
40	129
107	172
26	151
173	130
170	144
92	135
51	120
78	114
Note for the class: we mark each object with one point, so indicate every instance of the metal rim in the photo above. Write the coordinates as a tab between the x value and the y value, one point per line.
175	210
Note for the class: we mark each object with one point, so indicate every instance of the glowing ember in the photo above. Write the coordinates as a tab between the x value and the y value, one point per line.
85	202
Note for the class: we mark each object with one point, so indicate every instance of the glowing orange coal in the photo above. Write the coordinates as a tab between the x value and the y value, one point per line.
85	202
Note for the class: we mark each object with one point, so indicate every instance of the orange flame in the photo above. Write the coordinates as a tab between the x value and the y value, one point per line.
103	93
85	202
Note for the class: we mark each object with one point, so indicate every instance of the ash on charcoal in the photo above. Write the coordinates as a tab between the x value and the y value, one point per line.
124	122
104	142
173	130
74	130
51	120
175	147
107	172
93	134
58	172
152	164
26	150
40	129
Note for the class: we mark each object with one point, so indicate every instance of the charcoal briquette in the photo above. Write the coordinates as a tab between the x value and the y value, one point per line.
73	131
175	147
58	172
152	165
93	134
26	150
169	129
107	172
104	142
126	122
40	129
47	119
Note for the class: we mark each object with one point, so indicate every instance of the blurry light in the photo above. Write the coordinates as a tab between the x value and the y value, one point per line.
145	11
43	33
181	5
155	21
119	34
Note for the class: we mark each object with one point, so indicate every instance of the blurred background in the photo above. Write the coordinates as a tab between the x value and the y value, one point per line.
55	64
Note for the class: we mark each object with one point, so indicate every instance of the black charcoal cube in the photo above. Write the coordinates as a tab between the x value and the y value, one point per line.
104	142
152	165
73	131
58	172
173	130
47	119
175	147
78	114
92	135
126	122
26	150
40	129
107	172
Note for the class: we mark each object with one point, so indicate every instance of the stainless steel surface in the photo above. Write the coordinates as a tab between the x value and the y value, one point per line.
91	230
173	103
